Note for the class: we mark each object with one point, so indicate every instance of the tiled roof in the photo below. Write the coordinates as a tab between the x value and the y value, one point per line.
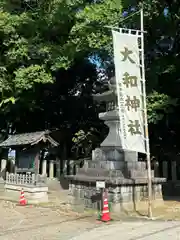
28	139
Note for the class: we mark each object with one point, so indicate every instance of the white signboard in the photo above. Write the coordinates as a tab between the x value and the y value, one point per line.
100	184
129	91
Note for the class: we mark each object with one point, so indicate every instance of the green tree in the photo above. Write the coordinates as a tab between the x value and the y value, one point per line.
46	48
45	59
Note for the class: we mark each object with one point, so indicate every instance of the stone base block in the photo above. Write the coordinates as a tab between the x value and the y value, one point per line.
33	194
118	194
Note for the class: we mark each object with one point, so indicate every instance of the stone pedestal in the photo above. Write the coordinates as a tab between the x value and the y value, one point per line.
125	176
120	192
125	184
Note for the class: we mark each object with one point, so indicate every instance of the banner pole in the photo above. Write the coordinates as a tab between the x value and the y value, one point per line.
145	120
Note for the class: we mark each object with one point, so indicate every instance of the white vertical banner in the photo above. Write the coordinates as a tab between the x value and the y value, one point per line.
129	90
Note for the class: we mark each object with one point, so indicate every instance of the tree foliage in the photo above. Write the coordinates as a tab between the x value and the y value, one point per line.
159	105
44	61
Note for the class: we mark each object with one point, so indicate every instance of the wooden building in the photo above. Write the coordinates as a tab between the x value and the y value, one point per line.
30	150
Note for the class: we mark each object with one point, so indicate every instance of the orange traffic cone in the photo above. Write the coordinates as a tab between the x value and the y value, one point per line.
22	200
105	213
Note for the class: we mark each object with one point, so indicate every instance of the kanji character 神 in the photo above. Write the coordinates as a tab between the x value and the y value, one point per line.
133	103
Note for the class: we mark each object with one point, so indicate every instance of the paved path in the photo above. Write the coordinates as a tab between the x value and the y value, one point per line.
142	230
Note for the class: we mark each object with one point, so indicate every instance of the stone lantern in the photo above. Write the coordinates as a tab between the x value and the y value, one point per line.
124	175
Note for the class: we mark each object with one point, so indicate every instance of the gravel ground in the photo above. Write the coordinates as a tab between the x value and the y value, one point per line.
40	223
58	221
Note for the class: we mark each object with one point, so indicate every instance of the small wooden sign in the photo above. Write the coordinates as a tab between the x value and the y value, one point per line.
100	184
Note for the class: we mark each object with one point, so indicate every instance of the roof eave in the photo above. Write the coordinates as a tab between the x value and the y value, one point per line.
45	139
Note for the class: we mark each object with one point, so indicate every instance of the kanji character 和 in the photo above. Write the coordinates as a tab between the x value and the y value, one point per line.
129	81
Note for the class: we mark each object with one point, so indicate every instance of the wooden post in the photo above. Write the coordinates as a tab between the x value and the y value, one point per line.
51	169
145	120
36	167
44	167
174	171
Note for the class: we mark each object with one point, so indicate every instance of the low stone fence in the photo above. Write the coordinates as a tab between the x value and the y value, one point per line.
34	187
25	179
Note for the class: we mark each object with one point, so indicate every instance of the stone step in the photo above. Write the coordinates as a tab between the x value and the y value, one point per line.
105	164
100	172
139	174
138	166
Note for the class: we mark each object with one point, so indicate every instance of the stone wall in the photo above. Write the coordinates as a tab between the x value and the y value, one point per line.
85	193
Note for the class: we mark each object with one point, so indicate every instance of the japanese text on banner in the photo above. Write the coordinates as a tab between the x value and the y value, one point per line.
129	92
